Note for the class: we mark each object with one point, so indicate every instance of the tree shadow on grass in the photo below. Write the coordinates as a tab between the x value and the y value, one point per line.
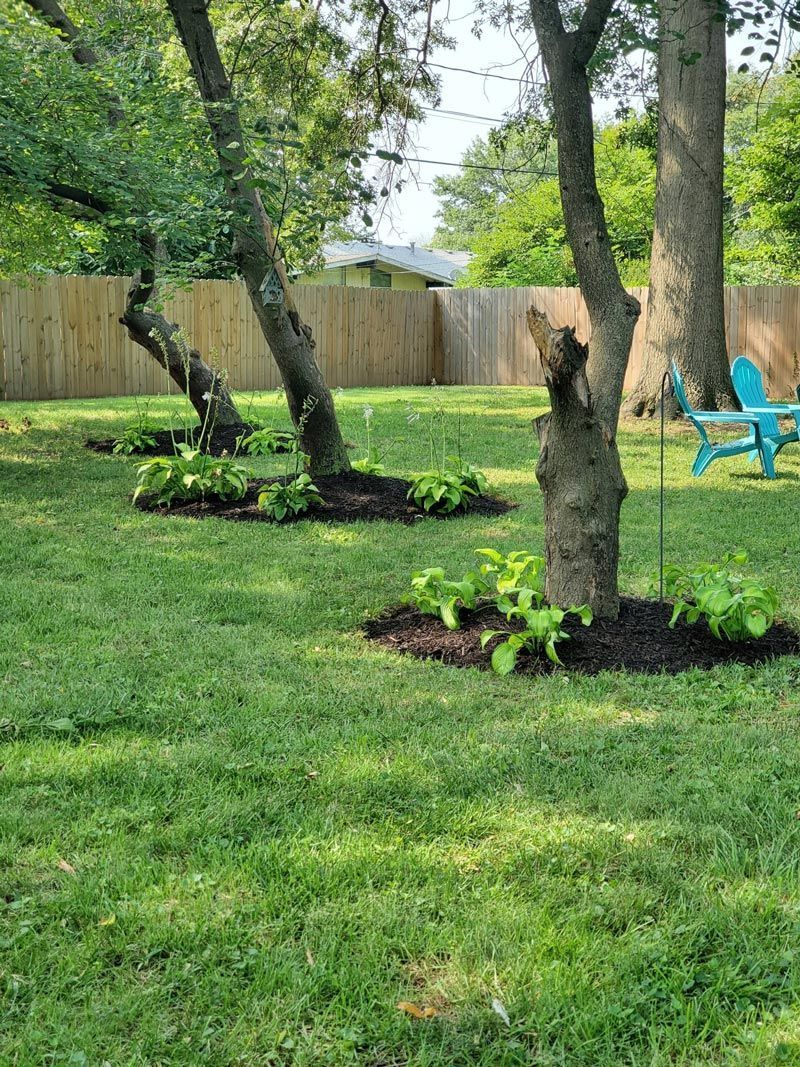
623	879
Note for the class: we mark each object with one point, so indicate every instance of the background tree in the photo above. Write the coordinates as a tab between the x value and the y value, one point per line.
526	243
685	314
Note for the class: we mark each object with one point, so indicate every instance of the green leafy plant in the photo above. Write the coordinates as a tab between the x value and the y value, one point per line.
191	475
138	435
134	439
440	491
434	594
369	465
282	499
734	607
473	478
450	482
542	628
267	441
514	571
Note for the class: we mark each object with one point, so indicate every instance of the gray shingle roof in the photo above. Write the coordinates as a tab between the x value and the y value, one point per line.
437	264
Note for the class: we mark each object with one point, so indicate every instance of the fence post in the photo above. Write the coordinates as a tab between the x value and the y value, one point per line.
437	356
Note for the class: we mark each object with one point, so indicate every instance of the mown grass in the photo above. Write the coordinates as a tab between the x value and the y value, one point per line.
278	831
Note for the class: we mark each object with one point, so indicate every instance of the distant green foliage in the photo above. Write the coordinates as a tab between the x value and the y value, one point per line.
526	242
735	608
763	176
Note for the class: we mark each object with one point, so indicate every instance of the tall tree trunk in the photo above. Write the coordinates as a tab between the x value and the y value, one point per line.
205	388
257	252
685	314
579	469
581	479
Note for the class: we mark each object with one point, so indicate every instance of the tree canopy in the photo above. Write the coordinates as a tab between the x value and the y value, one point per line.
509	214
314	105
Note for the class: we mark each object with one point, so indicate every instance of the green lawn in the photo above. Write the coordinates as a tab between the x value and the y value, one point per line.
278	831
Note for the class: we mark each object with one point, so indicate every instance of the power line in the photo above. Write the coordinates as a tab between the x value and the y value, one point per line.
478	166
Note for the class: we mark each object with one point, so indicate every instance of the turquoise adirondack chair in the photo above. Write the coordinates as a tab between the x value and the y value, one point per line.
708	450
749	386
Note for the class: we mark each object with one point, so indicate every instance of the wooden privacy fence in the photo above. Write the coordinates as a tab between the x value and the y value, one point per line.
61	337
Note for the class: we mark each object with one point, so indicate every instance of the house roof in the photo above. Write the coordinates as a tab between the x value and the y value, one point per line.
437	264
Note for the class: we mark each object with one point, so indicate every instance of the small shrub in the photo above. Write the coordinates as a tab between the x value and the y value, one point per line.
288	498
517	570
369	465
434	594
542	628
440	491
470	476
191	475
134	438
734	607
266	442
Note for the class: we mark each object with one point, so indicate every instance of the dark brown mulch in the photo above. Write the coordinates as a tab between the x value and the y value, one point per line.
222	439
347	498
639	640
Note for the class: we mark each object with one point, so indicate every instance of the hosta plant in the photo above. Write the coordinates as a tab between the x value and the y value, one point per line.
267	441
440	491
287	499
470	476
734	607
434	594
135	438
191	475
542	630
369	464
517	570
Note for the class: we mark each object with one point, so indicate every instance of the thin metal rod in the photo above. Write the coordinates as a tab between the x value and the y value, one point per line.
667	378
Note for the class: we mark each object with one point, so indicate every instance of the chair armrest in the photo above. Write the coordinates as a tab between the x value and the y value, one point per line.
748	417
774	409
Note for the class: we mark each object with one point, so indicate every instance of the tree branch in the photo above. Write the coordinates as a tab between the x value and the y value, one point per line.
590	29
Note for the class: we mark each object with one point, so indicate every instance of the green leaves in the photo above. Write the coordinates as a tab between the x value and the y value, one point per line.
735	608
448	489
282	499
267	442
434	594
191	475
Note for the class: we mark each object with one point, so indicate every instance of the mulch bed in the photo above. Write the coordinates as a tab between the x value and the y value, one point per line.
222	439
347	498
639	640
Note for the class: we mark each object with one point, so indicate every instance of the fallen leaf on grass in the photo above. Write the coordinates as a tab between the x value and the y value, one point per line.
109	920
313	774
415	1010
499	1009
309	957
67	868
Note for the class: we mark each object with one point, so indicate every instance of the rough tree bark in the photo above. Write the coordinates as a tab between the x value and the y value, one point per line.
257	251
204	386
578	469
685	314
581	478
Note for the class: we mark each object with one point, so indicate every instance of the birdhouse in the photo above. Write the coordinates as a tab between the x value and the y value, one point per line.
271	288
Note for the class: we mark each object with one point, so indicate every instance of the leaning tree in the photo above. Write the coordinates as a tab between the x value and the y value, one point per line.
122	148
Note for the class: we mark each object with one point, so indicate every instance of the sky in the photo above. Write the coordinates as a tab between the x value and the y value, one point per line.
411	214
